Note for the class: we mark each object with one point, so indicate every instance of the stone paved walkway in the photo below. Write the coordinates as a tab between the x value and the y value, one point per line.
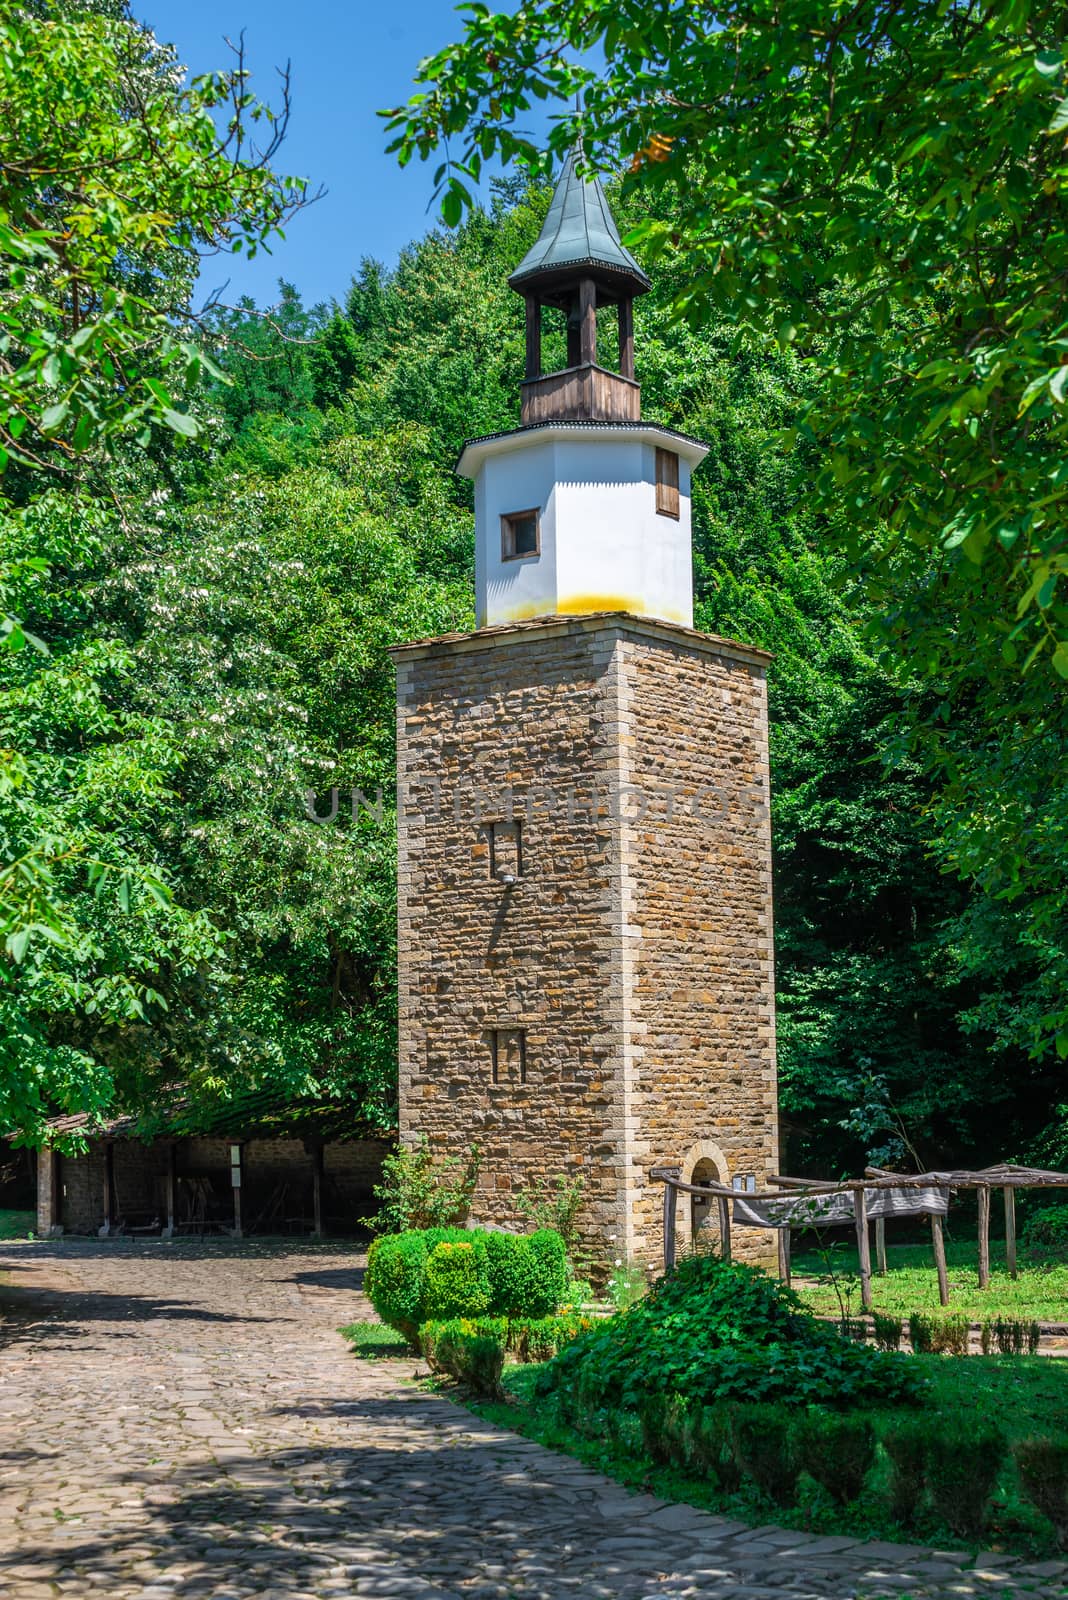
182	1420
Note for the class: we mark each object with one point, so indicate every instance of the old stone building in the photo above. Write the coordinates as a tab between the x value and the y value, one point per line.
585	927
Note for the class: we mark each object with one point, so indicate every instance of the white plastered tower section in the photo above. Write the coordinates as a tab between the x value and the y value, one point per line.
603	545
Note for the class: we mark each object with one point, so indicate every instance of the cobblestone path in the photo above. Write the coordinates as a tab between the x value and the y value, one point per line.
183	1420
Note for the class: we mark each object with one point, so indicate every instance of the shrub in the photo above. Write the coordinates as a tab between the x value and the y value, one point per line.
711	1447
963	1461
1042	1465
457	1280
471	1352
421	1190
555	1205
665	1428
888	1331
1045	1231
721	1330
411	1277
527	1272
762	1438
539	1338
949	1335
906	1445
1011	1336
837	1452
921	1334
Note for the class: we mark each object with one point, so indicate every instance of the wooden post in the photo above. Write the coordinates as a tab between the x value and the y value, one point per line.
880	1246
626	339
533	336
317	1190
724	1227
1010	1229
172	1185
669	1224
860	1205
984	1237
48	1209
587	320
939	1243
109	1189
236	1170
784	1255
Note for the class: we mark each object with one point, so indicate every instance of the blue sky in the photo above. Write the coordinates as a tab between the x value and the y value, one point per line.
348	59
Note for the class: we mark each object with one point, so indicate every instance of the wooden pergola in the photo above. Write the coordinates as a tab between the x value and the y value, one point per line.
1006	1176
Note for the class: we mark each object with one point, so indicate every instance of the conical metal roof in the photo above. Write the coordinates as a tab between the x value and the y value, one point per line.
579	231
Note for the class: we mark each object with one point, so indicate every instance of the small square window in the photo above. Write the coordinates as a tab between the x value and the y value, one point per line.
508	1056
667	484
520	535
506	850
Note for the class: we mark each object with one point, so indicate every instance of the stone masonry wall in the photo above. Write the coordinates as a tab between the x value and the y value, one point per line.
634	949
491	734
697	873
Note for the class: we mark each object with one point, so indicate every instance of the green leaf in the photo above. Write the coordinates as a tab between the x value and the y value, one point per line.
181	423
1060	658
54	416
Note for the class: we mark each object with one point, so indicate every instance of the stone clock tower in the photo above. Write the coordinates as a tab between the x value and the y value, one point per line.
585	935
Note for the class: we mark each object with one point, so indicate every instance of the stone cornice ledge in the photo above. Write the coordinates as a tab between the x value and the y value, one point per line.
504	635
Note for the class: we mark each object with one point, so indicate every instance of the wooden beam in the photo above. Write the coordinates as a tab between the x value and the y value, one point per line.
237	1168
48	1210
533	336
626	338
880	1246
938	1240
724	1226
863	1247
669	1223
587	306
784	1254
317	1190
172	1186
1010	1231
109	1189
983	1196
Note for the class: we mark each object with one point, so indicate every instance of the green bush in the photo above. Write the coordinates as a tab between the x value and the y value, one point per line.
472	1352
762	1437
1045	1231
837	1451
721	1330
420	1190
1042	1465
906	1445
539	1338
921	1334
963	1461
457	1280
528	1273
1011	1336
888	1331
949	1335
395	1280
710	1446
665	1429
410	1278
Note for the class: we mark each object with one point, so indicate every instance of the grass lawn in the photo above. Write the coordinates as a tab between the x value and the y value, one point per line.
16	1224
1024	1394
374	1341
911	1283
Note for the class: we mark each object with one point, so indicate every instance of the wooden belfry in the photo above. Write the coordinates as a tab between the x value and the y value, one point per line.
576	265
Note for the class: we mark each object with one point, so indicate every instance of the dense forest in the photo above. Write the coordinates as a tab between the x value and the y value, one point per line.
208	608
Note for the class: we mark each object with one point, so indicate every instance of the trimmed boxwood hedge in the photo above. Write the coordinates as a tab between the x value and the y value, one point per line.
442	1273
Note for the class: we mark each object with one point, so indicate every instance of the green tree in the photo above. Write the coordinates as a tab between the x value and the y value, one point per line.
884	190
114	181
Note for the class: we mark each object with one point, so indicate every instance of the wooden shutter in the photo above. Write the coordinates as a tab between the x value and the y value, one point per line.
667	483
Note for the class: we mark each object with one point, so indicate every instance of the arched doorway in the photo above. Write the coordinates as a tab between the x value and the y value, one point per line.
704	1211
